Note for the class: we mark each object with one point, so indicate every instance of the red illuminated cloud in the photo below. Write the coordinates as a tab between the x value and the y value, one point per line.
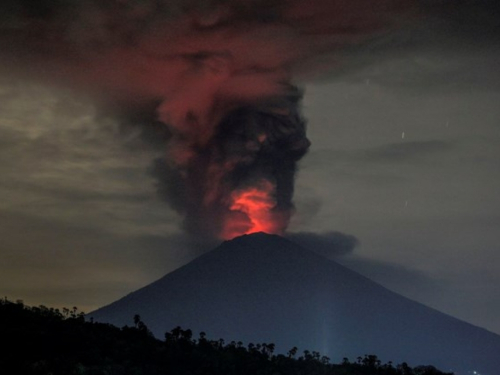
202	64
254	210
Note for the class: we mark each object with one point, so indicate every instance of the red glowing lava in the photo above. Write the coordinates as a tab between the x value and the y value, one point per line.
253	210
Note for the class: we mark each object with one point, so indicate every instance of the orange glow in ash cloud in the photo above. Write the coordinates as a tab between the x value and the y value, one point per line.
220	75
253	210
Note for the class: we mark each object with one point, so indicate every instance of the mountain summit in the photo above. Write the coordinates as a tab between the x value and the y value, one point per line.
263	288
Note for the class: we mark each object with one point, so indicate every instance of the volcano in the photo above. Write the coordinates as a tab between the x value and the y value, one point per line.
263	288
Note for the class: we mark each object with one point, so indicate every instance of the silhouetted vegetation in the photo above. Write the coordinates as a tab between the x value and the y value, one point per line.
41	340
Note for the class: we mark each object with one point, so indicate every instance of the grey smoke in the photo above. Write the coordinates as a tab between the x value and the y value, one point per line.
250	143
329	244
221	76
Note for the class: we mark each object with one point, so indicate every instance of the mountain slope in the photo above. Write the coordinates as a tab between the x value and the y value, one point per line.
263	288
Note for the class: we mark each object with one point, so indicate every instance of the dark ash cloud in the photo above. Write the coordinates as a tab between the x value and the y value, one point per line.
402	152
406	151
250	145
402	279
221	76
328	244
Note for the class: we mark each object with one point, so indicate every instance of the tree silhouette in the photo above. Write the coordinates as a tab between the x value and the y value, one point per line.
42	341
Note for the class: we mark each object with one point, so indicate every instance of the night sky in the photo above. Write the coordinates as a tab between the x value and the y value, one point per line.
404	156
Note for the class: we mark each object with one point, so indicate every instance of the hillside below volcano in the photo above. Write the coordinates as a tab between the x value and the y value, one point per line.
263	288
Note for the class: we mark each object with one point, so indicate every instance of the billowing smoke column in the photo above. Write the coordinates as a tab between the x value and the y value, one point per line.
239	180
221	71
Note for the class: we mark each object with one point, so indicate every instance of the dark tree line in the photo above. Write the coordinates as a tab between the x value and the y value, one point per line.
41	340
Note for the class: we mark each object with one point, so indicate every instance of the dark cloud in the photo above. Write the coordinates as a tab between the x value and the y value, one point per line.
406	151
453	46
328	244
65	263
472	18
400	278
340	246
401	152
220	76
445	66
140	123
250	145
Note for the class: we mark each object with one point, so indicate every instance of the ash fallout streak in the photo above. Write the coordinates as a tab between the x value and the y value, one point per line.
223	75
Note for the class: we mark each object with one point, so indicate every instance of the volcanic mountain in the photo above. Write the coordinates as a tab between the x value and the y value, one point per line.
263	288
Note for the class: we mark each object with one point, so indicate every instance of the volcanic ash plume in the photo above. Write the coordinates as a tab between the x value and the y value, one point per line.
240	180
221	72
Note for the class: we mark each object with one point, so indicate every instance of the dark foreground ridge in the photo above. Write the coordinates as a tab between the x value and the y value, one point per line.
264	288
39	340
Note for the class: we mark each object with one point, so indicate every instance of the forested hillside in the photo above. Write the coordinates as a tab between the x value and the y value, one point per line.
41	340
